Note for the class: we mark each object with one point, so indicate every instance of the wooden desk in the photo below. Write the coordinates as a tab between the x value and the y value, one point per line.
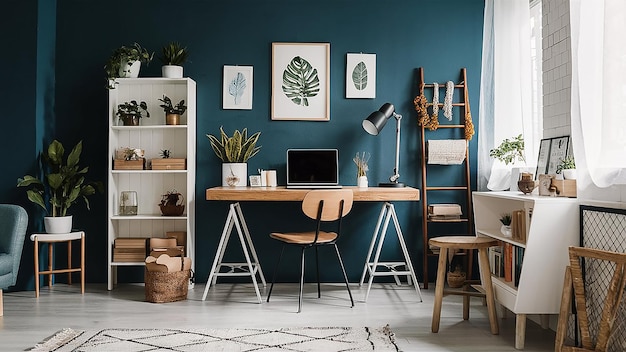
252	267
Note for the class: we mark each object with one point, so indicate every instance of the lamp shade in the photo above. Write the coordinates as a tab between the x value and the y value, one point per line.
375	123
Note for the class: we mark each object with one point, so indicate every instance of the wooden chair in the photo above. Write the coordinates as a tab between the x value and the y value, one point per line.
323	206
575	282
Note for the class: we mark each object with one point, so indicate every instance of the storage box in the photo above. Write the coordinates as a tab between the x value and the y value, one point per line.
169	164
163	287
121	164
565	188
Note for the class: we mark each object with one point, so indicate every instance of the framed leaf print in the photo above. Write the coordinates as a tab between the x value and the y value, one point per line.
361	76
301	81
237	90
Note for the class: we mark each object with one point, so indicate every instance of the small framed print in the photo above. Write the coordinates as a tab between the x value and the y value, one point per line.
255	181
360	75
237	89
301	81
558	151
542	160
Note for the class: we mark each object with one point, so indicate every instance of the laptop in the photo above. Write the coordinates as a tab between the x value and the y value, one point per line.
313	168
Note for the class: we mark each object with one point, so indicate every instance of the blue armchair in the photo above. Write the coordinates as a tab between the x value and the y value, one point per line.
13	223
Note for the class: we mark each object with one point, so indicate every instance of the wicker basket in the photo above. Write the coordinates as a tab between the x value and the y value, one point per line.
456	278
167	287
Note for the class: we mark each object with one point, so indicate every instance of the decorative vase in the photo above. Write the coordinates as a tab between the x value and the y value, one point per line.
172	119
58	224
128	203
172	71
506	230
569	174
526	184
129	69
234	174
362	181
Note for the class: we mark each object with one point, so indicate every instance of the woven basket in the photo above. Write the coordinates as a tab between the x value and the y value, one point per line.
167	287
456	279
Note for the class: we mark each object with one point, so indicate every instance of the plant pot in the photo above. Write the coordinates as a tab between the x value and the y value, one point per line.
129	69
58	224
172	210
172	71
362	181
172	119
506	230
234	174
569	174
130	120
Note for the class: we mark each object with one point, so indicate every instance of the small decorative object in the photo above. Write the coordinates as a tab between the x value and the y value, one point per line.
506	219
174	55
129	159
60	175
255	180
172	112
128	203
361	160
165	153
545	182
172	203
526	184
235	152
126	61
509	150
130	112
567	167
456	278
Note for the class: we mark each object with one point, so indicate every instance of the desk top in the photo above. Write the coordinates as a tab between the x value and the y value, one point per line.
281	193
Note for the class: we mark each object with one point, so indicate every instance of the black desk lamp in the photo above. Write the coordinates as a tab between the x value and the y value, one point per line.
375	123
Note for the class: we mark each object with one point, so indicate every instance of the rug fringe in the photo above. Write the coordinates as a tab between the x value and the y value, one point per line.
55	341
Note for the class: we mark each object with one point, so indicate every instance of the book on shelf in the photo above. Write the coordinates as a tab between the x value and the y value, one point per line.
130	242
445	209
518	225
444	217
508	262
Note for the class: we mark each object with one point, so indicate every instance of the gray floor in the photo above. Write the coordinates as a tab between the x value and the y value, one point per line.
28	320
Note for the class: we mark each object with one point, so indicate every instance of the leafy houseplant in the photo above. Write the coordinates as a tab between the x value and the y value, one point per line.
236	149
130	112
509	150
63	183
173	57
172	203
172	112
121	60
567	163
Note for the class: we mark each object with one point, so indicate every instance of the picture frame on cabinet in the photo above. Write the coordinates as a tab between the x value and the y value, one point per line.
559	148
293	63
237	87
360	75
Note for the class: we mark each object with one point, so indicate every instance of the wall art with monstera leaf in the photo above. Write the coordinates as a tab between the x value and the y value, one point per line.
301	81
237	89
360	75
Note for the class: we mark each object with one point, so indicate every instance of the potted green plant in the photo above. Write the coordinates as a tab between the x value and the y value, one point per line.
125	62
509	150
173	56
567	167
131	112
62	185
235	152
506	220
172	112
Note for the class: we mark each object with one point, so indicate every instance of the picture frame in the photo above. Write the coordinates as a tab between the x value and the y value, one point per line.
237	87
360	75
290	100
551	152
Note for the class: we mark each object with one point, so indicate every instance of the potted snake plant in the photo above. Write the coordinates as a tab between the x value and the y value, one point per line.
235	151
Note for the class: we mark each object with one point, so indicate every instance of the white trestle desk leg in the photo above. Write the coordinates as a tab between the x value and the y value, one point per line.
235	217
388	212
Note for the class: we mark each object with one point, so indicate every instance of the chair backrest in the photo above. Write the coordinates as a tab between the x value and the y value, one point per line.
13	224
591	259
332	202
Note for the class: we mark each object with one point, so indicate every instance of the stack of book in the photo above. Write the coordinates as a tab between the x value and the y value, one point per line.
506	262
443	212
129	250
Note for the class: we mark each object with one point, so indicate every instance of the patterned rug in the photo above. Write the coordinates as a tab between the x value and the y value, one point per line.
325	339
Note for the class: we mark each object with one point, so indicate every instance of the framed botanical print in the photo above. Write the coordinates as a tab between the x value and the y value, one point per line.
301	81
360	75
551	152
237	88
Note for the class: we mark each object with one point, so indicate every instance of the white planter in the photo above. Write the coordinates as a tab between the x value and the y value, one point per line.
58	224
172	71
234	174
569	174
362	181
506	230
129	69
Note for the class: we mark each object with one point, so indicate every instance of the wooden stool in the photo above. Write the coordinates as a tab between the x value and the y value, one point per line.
470	243
51	239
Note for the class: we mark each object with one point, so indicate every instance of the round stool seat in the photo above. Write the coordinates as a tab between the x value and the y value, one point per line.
462	242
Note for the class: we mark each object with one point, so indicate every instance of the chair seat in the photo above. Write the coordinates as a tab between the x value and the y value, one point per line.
304	237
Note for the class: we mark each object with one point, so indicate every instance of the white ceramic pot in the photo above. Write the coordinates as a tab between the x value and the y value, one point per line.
506	230
569	174
129	69
58	224
362	181
172	71
234	174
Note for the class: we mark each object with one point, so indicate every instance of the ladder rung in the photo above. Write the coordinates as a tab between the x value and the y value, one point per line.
443	85
445	188
441	104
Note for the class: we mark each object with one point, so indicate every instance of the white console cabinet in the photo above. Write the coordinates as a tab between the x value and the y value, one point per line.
552	225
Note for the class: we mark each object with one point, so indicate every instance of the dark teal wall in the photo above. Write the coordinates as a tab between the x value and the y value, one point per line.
441	36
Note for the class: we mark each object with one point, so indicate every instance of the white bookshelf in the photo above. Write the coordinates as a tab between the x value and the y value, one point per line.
152	135
552	225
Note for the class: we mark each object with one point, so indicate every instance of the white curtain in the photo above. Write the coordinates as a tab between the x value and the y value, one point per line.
505	89
599	90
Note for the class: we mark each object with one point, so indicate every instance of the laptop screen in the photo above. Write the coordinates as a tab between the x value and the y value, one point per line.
312	168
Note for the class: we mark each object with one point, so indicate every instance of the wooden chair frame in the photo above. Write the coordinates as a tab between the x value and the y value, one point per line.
575	283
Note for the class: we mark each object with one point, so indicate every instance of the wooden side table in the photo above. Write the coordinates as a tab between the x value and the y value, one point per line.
51	239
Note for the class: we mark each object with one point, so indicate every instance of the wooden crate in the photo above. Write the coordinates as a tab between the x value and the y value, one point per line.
565	188
169	164
121	164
